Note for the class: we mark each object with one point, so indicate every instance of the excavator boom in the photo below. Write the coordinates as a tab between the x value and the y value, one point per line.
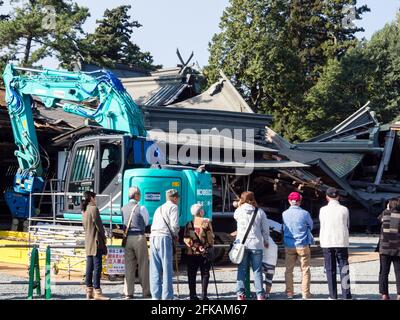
98	96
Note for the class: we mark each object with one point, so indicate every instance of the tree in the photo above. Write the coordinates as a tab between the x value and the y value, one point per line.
111	42
275	50
371	71
383	52
342	89
42	28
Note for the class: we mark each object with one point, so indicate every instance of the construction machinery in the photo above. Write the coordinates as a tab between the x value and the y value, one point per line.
114	155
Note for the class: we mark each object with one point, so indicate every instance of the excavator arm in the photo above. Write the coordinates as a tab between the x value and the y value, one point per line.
75	93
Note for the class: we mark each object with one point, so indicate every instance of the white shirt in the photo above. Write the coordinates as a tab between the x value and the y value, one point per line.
334	225
169	211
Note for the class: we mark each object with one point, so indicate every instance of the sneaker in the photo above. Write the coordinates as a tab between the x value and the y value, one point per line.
290	295
309	296
128	297
261	297
267	296
241	297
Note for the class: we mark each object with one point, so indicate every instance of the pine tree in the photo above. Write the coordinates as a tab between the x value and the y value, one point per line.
111	42
34	32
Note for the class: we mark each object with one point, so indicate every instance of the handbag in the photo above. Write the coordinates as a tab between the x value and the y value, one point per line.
172	235
237	252
125	234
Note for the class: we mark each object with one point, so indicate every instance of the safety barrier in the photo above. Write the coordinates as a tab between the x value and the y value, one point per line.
34	268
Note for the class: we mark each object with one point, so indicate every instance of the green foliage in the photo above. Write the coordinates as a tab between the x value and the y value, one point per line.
111	41
275	51
370	71
30	35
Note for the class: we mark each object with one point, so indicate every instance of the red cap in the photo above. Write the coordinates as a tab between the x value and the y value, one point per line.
294	196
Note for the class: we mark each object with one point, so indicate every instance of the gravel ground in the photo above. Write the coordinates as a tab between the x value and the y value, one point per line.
364	282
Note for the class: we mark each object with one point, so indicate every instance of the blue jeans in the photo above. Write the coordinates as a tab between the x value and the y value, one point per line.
161	270
253	257
93	266
341	256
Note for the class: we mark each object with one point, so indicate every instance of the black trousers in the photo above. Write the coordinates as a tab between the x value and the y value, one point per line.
385	263
193	265
341	257
94	265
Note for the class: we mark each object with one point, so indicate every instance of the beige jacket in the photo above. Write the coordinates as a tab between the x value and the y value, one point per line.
95	238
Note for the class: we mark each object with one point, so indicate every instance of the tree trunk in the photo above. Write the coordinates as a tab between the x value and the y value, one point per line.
27	50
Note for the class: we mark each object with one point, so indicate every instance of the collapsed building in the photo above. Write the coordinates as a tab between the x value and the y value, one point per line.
359	156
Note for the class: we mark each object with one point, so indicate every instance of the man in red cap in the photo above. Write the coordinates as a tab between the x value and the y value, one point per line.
297	226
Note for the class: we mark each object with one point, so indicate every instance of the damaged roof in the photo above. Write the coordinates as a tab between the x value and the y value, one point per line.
222	96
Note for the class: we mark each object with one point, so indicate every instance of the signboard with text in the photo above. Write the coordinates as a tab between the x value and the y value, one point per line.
115	260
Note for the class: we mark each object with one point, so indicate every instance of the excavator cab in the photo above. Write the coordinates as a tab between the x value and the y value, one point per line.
97	163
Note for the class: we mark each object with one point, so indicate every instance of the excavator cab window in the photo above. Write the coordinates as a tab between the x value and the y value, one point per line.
83	171
110	164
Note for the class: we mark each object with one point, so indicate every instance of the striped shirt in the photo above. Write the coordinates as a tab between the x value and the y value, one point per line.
390	234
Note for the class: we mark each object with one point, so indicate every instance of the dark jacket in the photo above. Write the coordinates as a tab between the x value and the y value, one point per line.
389	241
198	235
95	238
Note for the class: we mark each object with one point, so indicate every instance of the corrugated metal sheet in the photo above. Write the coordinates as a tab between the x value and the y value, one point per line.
166	94
340	163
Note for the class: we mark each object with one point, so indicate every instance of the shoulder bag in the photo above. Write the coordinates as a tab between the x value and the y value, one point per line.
237	252
125	234
172	235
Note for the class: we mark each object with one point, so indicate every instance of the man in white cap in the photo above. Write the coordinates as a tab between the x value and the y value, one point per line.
164	230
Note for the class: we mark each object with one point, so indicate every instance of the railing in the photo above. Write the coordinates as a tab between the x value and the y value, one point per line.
53	196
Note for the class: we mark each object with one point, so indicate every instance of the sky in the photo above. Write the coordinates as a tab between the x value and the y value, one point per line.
190	24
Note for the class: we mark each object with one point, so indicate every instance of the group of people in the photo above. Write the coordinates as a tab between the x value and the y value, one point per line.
333	239
155	270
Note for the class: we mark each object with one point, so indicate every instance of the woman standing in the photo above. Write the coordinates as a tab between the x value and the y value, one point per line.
389	248
95	245
199	238
255	243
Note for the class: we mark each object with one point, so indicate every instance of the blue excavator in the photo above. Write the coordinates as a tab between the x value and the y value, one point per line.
107	160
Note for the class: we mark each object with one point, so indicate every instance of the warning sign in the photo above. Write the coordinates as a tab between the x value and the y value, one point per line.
115	260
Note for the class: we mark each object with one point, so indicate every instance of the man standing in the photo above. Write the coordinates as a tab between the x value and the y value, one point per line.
164	230
297	226
136	252
334	241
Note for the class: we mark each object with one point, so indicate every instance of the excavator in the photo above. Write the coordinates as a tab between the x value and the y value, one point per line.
108	160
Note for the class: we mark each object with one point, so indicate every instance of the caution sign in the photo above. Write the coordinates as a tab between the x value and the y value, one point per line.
115	260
